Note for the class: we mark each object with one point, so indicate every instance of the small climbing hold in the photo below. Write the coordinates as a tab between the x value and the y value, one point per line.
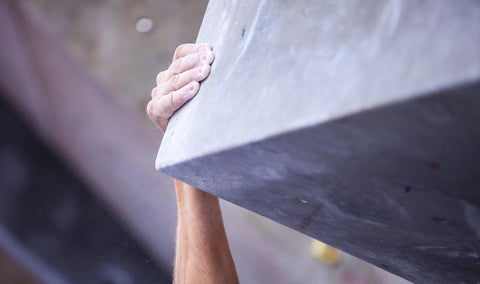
304	201
435	165
325	253
439	220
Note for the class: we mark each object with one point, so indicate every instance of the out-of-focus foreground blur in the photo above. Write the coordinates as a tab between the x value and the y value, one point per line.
80	199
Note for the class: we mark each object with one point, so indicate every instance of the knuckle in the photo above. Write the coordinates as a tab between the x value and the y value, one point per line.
154	110
154	92
178	50
177	68
150	109
160	77
174	81
172	102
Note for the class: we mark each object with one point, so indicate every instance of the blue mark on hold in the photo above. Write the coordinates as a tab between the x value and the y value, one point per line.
243	32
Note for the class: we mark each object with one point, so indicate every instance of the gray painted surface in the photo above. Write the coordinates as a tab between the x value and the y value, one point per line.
300	64
354	123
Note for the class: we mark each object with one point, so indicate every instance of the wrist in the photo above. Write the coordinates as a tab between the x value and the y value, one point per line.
193	202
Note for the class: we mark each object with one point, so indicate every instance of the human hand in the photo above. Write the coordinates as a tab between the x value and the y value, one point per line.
180	82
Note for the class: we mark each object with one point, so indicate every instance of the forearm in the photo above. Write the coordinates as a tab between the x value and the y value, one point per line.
202	252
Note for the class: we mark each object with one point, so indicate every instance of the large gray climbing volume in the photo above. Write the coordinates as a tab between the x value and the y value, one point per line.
355	122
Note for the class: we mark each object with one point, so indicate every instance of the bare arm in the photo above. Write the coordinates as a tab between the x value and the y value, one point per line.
202	251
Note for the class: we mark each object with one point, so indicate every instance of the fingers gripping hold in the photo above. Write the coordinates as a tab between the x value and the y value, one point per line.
161	77
174	100
187	56
190	61
184	49
177	66
189	48
163	107
178	81
174	82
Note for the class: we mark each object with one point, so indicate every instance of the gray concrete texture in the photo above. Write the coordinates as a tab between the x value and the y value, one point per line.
352	122
55	94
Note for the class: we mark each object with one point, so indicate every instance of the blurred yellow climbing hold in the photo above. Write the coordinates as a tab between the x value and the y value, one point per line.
327	254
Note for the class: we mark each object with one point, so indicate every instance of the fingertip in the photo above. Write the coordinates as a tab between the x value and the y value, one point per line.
207	69
192	89
195	85
207	57
203	70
